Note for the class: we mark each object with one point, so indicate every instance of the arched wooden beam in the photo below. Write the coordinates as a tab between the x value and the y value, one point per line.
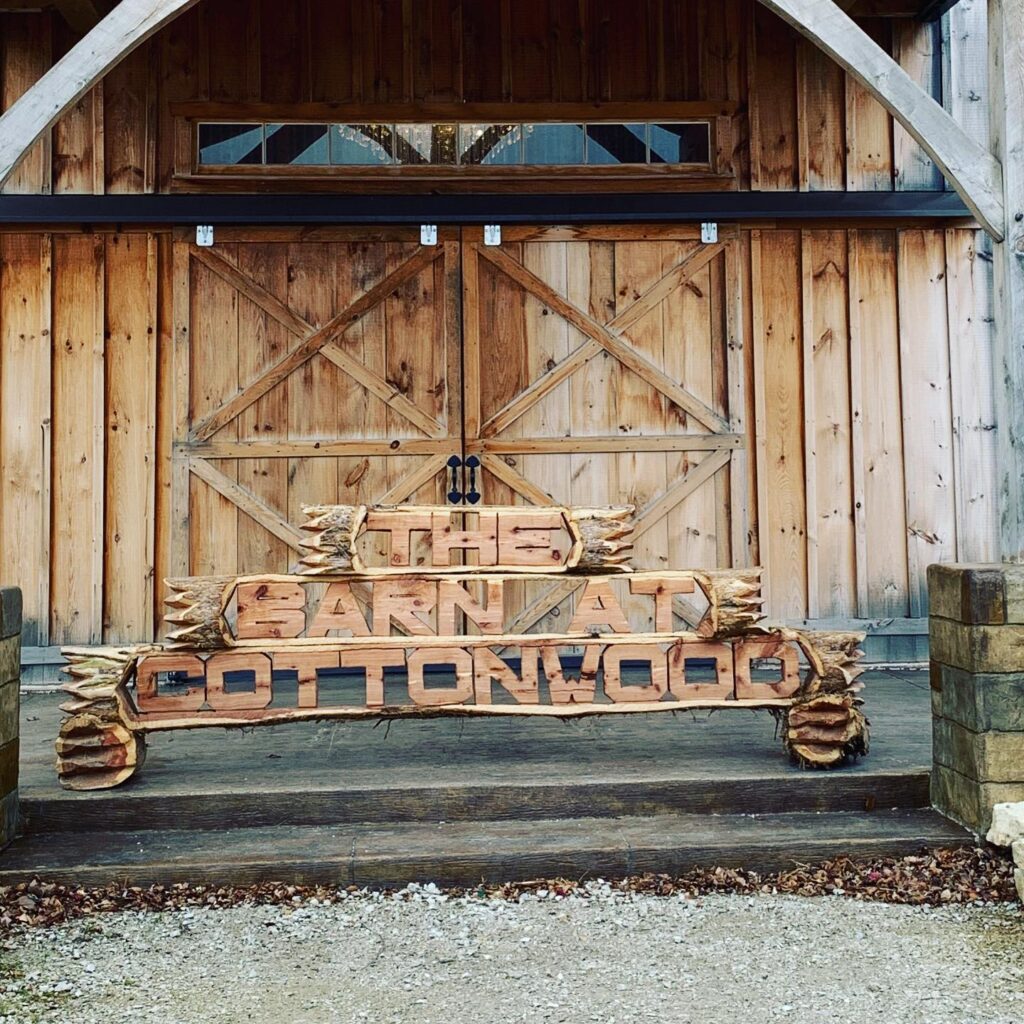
970	168
127	26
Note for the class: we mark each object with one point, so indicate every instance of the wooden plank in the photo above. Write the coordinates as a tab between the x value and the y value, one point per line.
869	160
969	314
180	367
679	491
924	367
782	434
77	138
26	57
601	443
874	295
773	144
25	395
131	353
758	339
826	354
78	430
164	423
857	382
917	48
1006	121
972	169
820	103
736	325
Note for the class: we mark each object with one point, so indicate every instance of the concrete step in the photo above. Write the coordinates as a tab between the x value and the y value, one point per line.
466	853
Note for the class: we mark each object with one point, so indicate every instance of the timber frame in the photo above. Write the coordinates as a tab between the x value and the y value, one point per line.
991	183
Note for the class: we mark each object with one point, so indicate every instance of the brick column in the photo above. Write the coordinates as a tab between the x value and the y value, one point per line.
10	678
976	643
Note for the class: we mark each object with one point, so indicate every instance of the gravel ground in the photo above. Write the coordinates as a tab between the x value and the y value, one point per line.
600	953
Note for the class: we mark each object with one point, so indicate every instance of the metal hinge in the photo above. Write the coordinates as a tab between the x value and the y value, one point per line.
428	234
709	232
492	234
204	235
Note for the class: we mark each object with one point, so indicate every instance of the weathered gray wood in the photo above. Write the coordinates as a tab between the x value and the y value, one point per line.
972	169
127	26
1006	113
464	853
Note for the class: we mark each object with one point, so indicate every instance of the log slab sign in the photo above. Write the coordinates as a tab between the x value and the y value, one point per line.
437	602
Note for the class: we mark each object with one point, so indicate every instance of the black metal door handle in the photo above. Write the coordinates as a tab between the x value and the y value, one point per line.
455	494
472	495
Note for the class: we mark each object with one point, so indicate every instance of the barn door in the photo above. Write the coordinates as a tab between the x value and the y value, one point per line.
604	367
310	367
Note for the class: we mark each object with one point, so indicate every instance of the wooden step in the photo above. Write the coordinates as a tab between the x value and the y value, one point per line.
132	808
465	853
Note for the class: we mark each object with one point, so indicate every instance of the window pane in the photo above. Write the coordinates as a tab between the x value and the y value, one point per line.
358	145
297	144
490	144
616	143
680	143
425	143
553	143
231	143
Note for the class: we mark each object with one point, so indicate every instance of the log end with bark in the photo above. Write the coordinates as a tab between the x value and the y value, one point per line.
825	730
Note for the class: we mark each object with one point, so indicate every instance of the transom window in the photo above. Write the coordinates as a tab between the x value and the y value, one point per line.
449	144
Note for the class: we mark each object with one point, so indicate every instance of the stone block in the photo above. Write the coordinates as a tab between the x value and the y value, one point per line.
1018	853
9	710
1007	824
10	611
1018	879
968	801
985	756
1014	588
976	648
991	700
8	818
968	593
10	659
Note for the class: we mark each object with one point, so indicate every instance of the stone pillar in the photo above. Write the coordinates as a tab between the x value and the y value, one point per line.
976	643
10	678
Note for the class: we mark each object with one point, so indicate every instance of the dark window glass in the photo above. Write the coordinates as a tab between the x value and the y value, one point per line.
616	143
297	144
553	143
680	143
231	143
425	143
358	145
490	144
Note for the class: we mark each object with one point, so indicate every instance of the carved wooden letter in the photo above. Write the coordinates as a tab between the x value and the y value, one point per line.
789	680
270	610
246	700
663	591
721	689
445	539
339	612
374	662
452	594
597	606
616	654
305	665
524	538
405	601
149	699
570	689
401	524
455	656
487	666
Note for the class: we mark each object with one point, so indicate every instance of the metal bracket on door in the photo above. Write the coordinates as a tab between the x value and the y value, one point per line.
428	234
492	234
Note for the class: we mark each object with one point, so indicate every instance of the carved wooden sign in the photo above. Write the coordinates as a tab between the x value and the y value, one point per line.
412	611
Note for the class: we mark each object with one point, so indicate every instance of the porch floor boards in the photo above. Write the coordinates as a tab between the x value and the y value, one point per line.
455	801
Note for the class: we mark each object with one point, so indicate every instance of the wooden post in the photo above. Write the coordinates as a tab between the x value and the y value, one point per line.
1006	118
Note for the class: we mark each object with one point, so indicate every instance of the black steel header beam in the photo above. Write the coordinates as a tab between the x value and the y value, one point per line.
477	208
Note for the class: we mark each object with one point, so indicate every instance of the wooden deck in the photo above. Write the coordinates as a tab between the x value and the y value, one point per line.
458	800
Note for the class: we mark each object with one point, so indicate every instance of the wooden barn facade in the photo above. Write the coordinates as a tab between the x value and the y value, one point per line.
669	253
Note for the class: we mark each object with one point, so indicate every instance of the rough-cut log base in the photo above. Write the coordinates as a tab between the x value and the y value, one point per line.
97	751
825	730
